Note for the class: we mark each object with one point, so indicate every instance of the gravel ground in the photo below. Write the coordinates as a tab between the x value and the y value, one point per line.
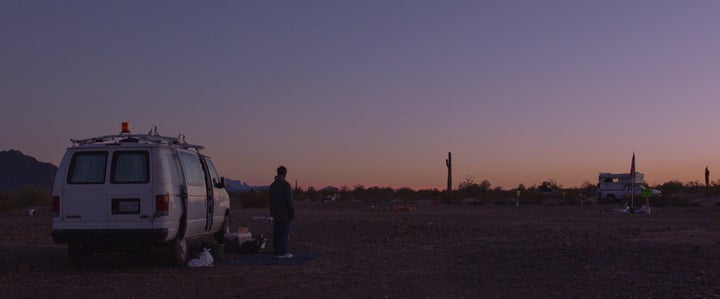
438	251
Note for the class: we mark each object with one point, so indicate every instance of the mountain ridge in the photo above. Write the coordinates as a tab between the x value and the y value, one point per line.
18	170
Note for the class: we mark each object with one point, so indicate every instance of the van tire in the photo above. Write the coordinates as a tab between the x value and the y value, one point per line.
179	250
611	198
224	230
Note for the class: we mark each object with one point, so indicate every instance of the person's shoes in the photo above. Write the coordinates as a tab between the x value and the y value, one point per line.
285	256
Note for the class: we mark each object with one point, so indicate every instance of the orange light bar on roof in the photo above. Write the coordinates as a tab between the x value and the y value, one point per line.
125	127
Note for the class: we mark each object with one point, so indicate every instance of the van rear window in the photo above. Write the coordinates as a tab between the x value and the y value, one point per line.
87	168
130	167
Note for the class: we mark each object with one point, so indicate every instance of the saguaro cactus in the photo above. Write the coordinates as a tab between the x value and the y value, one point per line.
448	163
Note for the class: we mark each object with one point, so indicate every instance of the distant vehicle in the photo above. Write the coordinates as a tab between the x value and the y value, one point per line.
129	191
613	187
550	190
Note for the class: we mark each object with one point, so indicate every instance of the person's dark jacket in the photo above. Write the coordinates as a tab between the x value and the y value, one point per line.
281	203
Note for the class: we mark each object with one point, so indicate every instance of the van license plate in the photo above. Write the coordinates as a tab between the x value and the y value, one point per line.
127	206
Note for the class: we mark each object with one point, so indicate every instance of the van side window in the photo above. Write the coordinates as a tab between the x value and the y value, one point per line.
87	168
130	167
193	169
177	175
213	173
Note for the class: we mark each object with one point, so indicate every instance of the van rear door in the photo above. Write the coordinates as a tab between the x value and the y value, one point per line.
196	193
210	200
220	200
130	196
84	197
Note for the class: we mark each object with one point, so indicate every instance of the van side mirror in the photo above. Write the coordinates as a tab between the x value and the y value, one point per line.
221	183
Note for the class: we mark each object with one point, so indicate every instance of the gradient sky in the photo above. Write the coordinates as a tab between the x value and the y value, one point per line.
375	92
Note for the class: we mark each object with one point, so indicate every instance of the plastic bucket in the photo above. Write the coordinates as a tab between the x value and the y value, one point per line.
217	251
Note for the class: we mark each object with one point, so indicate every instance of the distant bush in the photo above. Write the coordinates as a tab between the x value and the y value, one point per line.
469	188
678	200
454	197
482	193
672	187
250	199
504	201
405	194
29	196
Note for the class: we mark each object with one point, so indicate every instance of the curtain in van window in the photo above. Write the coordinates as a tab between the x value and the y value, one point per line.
87	168
130	167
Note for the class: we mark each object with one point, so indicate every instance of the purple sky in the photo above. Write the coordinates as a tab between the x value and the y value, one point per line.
375	92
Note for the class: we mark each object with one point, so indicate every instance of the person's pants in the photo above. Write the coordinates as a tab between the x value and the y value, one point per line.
281	236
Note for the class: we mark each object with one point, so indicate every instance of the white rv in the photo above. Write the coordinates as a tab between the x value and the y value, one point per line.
129	191
614	187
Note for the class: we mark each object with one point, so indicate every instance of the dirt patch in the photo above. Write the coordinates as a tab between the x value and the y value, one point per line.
369	251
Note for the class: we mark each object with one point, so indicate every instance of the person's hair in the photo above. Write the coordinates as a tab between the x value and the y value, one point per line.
281	170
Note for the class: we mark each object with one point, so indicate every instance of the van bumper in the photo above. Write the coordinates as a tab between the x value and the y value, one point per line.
112	237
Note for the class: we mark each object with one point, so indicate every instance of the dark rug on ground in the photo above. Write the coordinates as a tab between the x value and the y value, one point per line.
268	259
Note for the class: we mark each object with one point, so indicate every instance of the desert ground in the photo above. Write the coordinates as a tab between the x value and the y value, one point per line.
367	250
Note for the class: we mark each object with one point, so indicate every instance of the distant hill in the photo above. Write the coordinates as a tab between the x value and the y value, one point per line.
238	186
18	170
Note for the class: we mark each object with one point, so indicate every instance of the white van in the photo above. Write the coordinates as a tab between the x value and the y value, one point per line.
613	187
130	191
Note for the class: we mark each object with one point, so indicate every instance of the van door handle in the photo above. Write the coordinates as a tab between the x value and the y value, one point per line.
74	216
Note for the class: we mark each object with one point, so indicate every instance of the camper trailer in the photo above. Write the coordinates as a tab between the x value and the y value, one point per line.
613	187
130	191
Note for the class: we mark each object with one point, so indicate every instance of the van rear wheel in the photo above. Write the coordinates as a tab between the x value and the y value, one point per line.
179	250
224	230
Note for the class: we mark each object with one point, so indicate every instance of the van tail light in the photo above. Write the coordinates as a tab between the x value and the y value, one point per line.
162	205
56	206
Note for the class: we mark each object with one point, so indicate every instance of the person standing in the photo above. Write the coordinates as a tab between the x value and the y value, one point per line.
707	177
282	211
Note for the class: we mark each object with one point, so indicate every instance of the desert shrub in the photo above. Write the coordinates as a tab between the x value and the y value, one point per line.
679	200
313	194
710	191
569	200
694	187
658	201
581	195
504	201
588	189
672	187
405	194
344	193
250	199
454	197
531	196
379	193
359	192
429	193
29	196
468	188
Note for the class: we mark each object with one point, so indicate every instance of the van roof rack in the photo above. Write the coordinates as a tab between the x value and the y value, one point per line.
149	138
